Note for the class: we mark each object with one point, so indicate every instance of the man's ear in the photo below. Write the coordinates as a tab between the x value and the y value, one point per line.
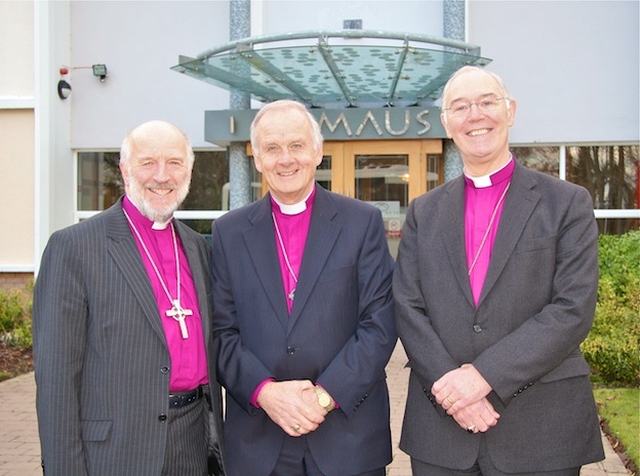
124	172
512	112
257	163
445	124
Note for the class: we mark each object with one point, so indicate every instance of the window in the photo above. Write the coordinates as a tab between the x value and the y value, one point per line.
543	159
611	173
100	185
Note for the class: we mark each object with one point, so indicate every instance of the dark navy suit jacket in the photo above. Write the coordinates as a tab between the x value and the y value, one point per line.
340	332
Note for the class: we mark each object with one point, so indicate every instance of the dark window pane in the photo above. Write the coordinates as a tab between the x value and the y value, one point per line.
610	173
100	182
543	159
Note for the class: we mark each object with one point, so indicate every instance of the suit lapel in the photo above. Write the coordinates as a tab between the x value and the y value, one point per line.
259	239
518	207
323	234
451	215
198	271
124	252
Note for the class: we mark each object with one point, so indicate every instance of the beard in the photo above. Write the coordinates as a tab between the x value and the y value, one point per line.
148	209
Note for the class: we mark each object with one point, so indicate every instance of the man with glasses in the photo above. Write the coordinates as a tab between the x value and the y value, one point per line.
495	287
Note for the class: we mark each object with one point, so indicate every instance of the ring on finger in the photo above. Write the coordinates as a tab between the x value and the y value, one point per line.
296	428
471	429
451	402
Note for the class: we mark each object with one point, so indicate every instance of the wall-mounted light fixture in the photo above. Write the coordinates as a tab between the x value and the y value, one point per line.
64	89
100	70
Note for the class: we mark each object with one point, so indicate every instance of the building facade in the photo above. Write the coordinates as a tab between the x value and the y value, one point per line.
75	76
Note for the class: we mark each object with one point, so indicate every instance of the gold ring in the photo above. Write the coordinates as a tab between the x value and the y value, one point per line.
296	428
451	402
471	428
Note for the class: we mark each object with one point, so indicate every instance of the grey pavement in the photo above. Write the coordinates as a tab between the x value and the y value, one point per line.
20	446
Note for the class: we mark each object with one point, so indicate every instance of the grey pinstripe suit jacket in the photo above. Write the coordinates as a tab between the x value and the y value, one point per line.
536	307
101	359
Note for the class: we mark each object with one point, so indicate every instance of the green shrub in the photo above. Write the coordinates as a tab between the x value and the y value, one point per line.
15	317
613	345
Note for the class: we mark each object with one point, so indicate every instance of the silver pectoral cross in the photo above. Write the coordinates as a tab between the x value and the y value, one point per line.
292	294
180	315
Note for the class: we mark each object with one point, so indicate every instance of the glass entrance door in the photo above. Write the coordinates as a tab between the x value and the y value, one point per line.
387	174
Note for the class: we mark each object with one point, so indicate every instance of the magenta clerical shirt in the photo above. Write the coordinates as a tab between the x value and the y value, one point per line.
292	221
291	224
188	356
484	198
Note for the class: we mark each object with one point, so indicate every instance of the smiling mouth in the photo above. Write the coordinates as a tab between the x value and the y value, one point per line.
478	132
161	191
287	174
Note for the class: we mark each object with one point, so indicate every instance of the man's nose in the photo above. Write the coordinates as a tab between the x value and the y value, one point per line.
475	111
285	156
161	173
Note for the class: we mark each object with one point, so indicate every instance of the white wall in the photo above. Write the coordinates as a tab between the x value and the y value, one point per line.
573	66
411	16
139	41
16	49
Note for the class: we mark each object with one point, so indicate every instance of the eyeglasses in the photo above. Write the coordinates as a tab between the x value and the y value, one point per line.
462	109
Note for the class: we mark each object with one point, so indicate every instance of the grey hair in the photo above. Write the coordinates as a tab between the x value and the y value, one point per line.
466	69
286	104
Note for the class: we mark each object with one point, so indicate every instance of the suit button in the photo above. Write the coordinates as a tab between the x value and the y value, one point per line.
162	417
477	329
164	370
291	350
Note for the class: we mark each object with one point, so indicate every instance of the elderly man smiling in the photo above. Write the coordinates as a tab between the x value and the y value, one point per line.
495	287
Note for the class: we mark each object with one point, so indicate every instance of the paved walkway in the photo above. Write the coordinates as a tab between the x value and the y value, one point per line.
20	447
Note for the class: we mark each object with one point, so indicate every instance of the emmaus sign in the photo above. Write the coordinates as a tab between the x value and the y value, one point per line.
223	127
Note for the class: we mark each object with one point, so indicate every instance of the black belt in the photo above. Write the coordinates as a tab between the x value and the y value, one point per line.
181	399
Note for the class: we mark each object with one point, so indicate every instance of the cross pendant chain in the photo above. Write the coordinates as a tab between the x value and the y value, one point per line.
176	312
180	314
292	293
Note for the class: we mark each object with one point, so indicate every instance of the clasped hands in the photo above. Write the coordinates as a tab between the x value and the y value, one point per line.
462	393
292	405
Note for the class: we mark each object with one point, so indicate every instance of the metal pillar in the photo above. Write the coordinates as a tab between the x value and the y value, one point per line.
239	166
454	29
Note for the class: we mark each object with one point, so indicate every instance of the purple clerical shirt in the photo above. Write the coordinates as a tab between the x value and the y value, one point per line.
484	197
291	224
188	356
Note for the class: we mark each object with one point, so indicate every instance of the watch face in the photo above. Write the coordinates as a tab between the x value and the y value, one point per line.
324	400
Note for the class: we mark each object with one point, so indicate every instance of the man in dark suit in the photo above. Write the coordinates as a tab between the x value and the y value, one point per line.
495	287
126	382
303	316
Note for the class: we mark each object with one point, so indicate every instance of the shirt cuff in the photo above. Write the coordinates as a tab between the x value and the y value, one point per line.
254	396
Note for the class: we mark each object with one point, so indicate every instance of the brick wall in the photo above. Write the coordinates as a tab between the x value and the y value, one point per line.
14	280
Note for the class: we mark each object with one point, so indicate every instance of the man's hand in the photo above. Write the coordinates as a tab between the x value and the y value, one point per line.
477	417
292	405
459	388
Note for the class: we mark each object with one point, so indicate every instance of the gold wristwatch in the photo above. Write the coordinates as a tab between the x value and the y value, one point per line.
324	400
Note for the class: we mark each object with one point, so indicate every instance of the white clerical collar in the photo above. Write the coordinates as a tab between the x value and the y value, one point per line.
295	208
484	181
160	225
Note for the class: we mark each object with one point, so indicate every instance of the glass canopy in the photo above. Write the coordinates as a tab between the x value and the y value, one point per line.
335	69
